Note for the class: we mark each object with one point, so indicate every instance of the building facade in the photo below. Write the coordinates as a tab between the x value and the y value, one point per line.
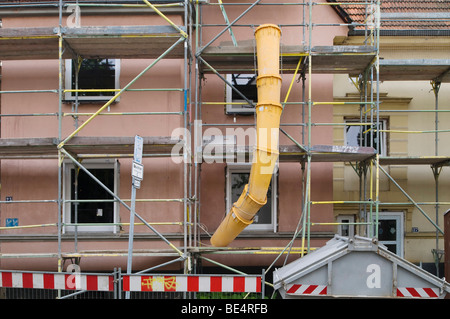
412	134
80	81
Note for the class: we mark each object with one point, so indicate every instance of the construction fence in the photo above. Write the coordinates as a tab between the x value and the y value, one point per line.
116	285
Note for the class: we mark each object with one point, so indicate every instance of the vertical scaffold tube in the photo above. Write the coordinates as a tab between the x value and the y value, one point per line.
268	113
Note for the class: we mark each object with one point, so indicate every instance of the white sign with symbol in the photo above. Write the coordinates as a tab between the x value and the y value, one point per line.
138	147
137	171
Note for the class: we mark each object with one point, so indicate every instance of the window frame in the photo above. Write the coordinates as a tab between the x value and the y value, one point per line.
245	168
70	96
351	227
67	184
400	231
233	109
384	122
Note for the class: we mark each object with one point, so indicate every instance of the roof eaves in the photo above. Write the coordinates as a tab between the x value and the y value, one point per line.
341	12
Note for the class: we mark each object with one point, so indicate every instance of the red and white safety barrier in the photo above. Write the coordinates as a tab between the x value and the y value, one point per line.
159	283
307	290
57	281
317	290
418	292
192	283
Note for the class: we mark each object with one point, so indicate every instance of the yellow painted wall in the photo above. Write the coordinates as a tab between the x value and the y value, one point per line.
416	180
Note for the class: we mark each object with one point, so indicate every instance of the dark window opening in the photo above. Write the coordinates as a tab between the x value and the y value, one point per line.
88	189
95	74
238	182
367	136
246	84
345	227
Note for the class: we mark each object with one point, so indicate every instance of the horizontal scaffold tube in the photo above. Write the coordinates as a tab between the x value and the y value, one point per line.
268	113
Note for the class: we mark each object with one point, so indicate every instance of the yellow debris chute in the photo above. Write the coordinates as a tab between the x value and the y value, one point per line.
268	113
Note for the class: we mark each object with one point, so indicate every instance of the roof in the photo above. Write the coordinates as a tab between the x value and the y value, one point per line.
399	14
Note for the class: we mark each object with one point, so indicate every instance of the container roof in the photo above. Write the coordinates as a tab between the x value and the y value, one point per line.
356	267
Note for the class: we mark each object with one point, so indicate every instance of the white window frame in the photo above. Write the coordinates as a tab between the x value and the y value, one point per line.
90	164
245	168
383	135
400	232
235	108
70	96
351	227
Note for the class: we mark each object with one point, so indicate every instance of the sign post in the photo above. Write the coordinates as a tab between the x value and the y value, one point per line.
137	173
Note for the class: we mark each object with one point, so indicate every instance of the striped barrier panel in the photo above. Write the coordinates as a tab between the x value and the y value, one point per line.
192	283
57	281
320	290
307	290
418	292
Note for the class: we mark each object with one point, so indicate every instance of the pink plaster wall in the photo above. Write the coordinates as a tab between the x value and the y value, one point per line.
38	179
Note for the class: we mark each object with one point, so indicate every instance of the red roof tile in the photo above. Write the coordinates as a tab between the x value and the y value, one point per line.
425	10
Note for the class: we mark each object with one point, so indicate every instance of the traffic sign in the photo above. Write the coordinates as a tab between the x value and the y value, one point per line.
137	171
138	147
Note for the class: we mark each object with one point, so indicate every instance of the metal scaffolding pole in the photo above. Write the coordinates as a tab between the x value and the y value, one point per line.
436	85
187	208
377	105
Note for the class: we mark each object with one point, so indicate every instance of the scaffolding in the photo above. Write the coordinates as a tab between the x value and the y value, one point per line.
203	57
302	61
126	41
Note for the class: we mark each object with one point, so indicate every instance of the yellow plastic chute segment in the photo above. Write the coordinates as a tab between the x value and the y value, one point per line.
268	113
267	38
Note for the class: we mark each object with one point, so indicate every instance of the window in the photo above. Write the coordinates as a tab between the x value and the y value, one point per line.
361	135
237	177
390	231
346	228
246	84
96	205
92	74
